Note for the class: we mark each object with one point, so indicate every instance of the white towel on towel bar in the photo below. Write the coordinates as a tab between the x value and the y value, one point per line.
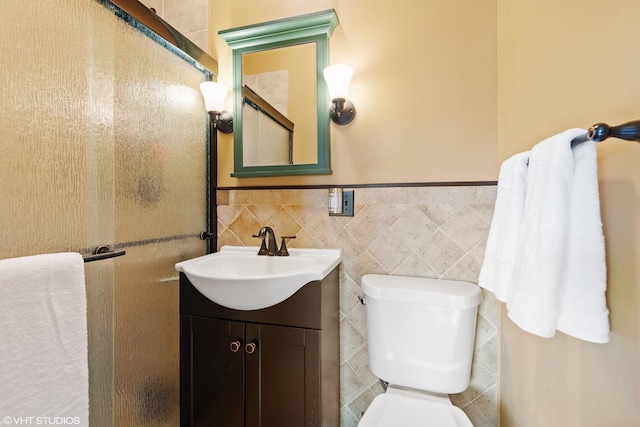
583	306
559	276
496	274
43	333
545	254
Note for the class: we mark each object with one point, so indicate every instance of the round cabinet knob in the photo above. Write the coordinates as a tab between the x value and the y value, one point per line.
250	348
235	346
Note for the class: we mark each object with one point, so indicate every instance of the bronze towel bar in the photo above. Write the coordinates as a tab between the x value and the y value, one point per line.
629	131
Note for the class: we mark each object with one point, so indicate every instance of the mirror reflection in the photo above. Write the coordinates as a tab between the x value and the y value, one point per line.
280	111
279	106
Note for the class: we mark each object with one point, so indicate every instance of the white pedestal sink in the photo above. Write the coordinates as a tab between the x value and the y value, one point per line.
238	278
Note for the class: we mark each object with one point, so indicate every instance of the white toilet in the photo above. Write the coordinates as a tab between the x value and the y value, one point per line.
420	334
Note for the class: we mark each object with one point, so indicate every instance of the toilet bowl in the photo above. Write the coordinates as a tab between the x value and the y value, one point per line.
403	408
420	339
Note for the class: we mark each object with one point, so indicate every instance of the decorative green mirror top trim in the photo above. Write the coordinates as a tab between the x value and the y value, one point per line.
310	152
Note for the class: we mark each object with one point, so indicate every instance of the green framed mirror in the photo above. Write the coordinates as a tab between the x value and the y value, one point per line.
280	100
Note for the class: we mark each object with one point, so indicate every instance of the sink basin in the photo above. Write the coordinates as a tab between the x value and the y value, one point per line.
237	278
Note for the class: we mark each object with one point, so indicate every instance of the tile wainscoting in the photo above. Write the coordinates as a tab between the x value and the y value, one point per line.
425	231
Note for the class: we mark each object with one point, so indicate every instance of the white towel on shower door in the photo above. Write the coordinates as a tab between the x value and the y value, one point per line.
43	334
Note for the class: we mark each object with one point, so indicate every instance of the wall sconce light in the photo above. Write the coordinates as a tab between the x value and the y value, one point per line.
338	78
214	94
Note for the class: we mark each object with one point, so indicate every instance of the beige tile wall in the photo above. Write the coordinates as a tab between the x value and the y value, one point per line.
437	232
187	16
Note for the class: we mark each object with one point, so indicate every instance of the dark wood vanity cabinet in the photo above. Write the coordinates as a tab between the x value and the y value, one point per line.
261	385
275	367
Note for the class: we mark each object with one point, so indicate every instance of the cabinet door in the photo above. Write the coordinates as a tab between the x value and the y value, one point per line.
278	381
217	372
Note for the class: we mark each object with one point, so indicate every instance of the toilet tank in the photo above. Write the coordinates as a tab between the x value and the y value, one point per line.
421	331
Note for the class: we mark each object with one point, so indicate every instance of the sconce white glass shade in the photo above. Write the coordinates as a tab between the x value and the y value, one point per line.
214	94
338	78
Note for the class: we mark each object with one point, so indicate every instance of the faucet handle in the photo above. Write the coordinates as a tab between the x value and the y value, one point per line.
283	247
263	245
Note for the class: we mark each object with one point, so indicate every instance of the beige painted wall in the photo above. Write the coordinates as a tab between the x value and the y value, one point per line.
572	64
424	87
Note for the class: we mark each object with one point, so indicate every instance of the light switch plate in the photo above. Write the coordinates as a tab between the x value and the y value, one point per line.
347	204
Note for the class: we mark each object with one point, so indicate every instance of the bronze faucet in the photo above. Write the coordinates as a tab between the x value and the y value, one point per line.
270	247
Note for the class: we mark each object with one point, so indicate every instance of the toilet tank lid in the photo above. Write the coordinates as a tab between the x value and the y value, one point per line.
420	290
